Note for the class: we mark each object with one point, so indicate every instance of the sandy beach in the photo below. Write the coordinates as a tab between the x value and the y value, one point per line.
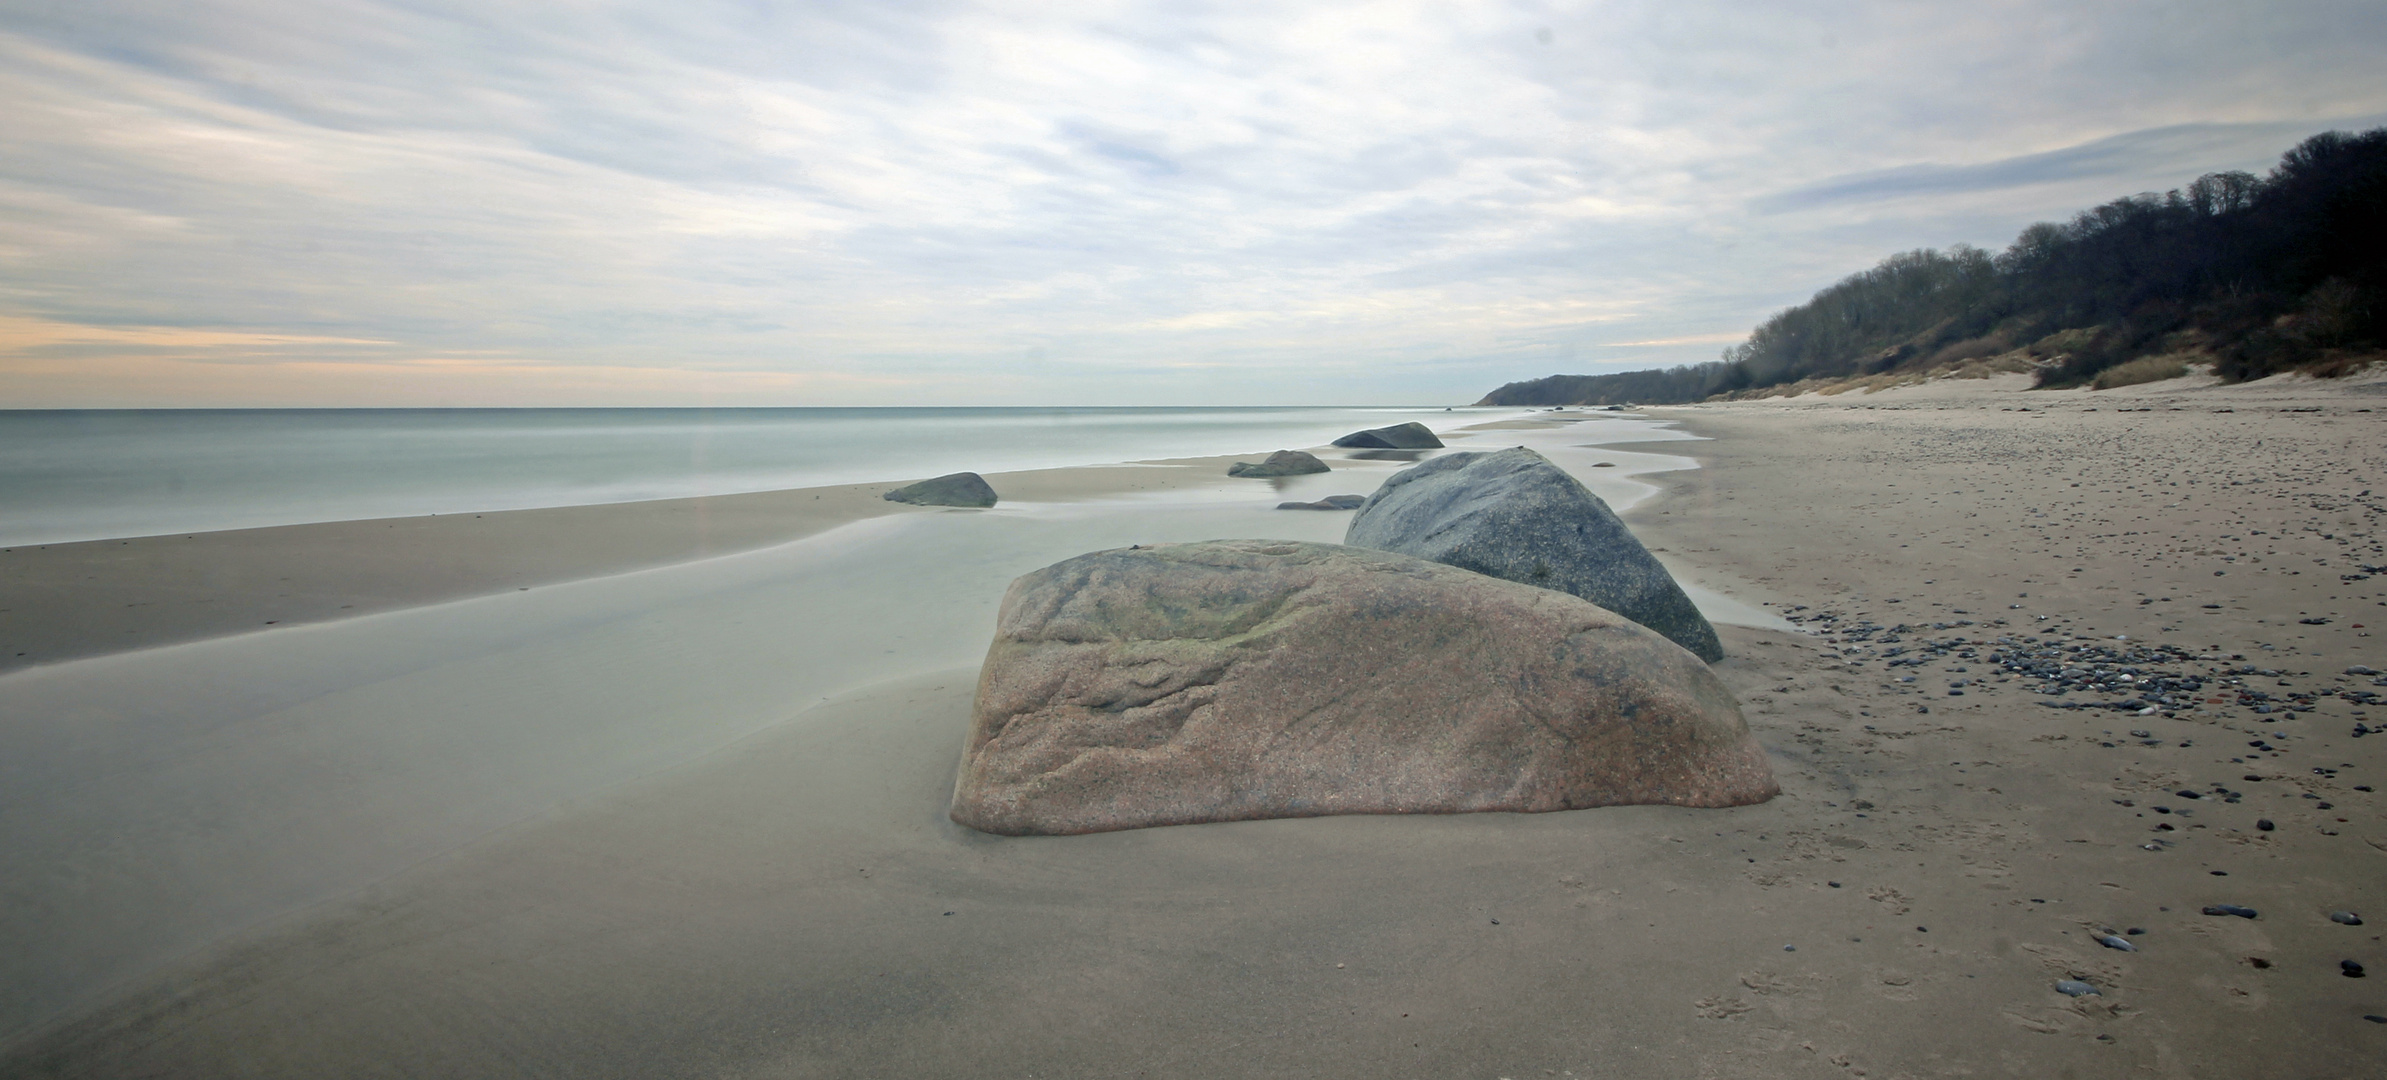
658	790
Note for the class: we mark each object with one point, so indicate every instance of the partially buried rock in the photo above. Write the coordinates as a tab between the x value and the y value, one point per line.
1397	437
1331	502
1514	515
958	489
1281	463
1239	679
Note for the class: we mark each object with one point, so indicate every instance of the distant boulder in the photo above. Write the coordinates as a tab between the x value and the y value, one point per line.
1331	502
1281	463
1412	436
957	489
1239	679
1514	515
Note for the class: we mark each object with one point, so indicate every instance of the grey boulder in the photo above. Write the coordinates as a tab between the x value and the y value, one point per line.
1281	463
1331	502
1513	515
955	489
1238	679
1411	436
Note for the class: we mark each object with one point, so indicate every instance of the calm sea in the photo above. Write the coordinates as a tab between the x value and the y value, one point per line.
88	475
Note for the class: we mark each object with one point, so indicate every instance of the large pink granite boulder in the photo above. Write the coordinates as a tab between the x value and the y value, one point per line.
1238	679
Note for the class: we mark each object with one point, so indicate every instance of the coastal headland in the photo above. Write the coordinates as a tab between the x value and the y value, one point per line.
1961	575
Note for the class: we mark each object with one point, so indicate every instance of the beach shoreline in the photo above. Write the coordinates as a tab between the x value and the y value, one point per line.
86	598
791	902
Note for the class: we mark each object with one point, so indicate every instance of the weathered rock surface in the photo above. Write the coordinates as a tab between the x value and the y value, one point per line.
1514	515
1397	437
1281	463
956	489
1331	502
1239	679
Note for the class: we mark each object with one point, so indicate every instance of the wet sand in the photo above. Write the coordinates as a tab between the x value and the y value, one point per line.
67	601
783	897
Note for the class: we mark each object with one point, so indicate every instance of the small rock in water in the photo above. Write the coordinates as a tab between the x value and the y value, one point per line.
2346	917
1410	436
2230	909
1281	463
2349	969
1331	502
2116	941
965	489
2075	988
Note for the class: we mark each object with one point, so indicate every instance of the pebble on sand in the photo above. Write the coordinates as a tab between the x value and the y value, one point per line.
2075	988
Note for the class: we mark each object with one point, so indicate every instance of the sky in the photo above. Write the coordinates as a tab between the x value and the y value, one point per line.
226	203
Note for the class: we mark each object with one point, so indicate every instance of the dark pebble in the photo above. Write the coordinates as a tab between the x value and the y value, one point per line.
2230	909
1922	929
2349	969
2347	918
2375	1018
2218	873
2264	824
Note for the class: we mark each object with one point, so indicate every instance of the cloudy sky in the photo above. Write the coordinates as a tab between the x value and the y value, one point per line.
585	202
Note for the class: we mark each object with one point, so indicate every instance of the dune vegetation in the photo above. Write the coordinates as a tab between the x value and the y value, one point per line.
2253	275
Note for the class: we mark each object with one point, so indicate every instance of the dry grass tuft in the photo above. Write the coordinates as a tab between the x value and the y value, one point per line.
2011	363
2339	363
2145	369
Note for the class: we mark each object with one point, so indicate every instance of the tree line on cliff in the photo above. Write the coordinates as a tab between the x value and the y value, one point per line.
2255	274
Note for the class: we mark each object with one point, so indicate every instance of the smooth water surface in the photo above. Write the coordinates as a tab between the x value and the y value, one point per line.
86	475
